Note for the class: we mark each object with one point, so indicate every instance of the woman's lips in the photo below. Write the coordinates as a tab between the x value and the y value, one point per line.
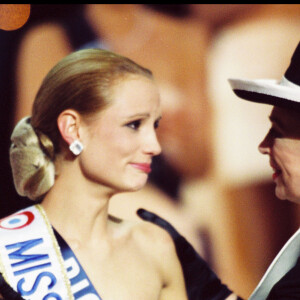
276	174
277	171
142	166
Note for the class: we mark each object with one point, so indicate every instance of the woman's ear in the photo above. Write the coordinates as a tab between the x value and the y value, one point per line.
68	123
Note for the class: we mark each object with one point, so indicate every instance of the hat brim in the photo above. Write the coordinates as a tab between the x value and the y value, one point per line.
267	91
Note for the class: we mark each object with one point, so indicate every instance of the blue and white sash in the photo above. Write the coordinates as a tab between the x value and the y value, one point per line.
37	262
81	286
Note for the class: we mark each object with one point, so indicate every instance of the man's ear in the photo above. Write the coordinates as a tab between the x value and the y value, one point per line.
68	123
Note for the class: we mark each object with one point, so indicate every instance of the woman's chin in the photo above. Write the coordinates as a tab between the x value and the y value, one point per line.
134	188
137	187
282	195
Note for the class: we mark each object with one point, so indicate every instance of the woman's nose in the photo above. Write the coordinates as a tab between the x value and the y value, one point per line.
152	145
265	145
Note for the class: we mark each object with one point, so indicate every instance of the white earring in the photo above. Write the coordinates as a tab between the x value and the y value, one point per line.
76	147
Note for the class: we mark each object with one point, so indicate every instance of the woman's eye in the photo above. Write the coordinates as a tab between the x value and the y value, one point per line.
156	124
134	125
274	133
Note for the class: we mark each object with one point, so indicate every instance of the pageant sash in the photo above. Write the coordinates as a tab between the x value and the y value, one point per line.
284	261
81	286
37	262
30	260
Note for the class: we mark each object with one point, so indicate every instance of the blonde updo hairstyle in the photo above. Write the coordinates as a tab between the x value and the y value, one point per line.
81	81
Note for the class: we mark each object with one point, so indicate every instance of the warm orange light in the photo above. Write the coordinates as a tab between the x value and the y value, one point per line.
13	16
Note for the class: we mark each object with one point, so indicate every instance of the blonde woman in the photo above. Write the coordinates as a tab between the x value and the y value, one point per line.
91	135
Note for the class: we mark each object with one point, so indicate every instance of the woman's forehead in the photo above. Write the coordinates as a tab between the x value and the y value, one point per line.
285	113
286	117
130	97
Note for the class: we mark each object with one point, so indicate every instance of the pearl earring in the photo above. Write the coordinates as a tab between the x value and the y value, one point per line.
76	147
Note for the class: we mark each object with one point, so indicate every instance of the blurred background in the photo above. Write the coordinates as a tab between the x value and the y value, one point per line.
210	182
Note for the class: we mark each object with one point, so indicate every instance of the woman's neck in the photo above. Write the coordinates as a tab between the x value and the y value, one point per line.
77	208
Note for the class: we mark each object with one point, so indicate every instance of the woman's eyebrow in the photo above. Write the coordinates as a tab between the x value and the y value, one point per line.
276	121
143	115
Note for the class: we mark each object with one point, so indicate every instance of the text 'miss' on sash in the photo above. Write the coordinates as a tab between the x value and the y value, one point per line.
37	262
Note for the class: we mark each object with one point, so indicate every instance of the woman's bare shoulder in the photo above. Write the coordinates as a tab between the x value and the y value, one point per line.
148	238
152	239
158	246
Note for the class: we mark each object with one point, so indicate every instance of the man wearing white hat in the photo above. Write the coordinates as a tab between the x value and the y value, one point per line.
282	145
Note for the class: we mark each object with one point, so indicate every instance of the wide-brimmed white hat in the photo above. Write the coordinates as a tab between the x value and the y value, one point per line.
284	92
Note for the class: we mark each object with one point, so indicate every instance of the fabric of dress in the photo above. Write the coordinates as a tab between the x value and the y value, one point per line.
289	286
